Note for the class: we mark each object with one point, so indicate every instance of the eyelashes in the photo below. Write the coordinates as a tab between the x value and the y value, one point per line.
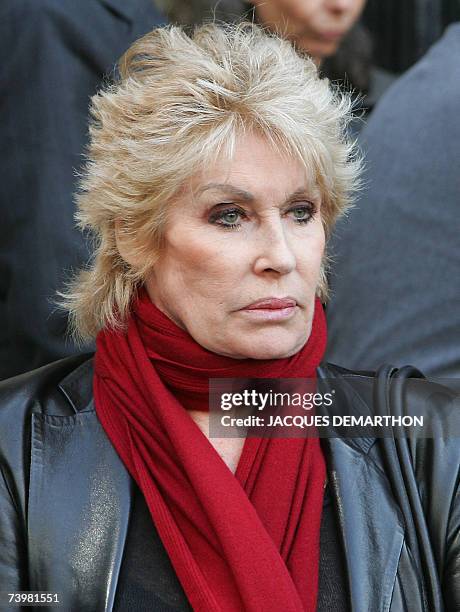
230	218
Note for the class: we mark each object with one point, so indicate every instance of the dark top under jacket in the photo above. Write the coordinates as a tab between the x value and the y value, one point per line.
66	499
146	570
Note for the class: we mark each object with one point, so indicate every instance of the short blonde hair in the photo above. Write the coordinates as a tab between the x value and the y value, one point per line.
180	102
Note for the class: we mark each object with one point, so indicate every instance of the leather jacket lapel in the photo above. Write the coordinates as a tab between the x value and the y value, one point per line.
76	478
371	523
371	527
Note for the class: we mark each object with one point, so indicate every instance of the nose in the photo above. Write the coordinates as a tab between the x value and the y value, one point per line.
274	250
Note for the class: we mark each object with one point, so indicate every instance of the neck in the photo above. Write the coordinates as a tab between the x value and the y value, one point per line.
228	449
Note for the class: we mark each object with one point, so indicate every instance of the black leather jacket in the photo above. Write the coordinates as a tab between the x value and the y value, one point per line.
65	501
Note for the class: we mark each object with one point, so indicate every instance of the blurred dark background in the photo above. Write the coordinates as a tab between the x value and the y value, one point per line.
401	30
57	53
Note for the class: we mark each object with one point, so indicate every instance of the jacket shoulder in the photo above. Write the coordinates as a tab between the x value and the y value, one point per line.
39	390
401	395
47	391
332	370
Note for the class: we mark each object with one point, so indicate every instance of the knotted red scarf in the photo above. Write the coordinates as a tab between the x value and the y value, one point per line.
248	541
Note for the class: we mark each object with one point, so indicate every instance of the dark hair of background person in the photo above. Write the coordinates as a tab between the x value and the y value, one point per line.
353	61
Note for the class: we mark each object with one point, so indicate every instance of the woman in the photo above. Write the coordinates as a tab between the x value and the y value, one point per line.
218	164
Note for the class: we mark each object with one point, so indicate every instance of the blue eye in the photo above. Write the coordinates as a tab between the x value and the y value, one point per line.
303	214
228	219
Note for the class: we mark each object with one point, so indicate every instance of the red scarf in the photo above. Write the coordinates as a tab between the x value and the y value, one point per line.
248	541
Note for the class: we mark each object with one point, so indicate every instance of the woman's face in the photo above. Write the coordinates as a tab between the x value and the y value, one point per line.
317	26
242	255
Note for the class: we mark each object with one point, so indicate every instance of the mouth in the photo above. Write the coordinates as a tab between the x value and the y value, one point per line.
271	309
272	303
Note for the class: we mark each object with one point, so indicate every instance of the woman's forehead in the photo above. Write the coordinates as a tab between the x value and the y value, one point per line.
255	166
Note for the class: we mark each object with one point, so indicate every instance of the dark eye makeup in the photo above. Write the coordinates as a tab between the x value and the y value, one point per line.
230	217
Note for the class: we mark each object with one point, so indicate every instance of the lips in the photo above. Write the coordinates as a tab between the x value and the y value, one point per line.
272	304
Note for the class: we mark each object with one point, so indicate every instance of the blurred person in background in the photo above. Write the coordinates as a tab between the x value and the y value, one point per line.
395	280
55	54
317	26
329	30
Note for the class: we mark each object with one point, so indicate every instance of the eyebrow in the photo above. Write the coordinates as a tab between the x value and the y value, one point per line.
248	197
236	191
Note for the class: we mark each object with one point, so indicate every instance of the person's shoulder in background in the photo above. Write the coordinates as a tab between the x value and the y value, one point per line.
395	292
57	53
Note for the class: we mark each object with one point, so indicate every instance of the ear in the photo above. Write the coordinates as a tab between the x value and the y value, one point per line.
124	245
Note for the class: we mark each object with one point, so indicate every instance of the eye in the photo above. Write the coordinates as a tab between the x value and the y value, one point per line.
227	218
303	213
230	217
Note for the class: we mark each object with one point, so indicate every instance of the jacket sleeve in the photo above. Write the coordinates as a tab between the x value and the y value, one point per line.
451	580
436	462
15	412
13	557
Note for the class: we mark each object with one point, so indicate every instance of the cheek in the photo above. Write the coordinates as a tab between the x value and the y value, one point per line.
285	15
358	8
304	14
310	255
204	268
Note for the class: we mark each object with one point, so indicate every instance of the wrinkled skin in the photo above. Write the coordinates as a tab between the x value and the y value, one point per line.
239	232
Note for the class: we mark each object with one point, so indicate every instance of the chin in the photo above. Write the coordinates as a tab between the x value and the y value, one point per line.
272	349
272	353
322	51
